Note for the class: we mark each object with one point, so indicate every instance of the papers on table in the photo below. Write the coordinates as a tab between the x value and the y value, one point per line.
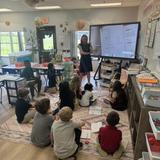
95	127
95	110
86	134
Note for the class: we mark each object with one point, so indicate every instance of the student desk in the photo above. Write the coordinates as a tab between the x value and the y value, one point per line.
39	68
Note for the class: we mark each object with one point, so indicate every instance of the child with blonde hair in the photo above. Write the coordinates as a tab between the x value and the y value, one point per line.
75	86
66	134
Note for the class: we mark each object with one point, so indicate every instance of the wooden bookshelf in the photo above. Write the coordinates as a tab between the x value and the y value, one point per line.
138	117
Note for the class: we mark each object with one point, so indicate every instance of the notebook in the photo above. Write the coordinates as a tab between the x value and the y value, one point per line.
95	110
86	134
96	126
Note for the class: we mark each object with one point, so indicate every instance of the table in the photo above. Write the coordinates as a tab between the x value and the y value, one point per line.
12	69
39	68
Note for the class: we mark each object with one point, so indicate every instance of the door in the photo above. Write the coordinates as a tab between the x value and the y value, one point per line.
46	37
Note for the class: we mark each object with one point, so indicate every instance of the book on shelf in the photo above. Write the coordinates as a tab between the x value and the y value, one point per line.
147	78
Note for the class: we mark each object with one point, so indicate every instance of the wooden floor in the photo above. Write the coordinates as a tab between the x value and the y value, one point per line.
5	109
15	151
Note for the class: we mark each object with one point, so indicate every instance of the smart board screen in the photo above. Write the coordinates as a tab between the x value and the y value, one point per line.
114	40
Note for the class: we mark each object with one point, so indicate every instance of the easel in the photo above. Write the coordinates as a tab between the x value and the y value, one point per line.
98	71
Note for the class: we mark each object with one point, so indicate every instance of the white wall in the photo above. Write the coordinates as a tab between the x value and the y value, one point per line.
153	62
92	16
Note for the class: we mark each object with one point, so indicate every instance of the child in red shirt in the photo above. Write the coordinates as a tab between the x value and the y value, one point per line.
110	137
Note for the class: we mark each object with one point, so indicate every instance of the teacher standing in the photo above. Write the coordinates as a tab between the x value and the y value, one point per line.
85	61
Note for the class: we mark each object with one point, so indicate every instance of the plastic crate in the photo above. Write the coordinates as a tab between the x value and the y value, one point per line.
153	150
145	156
153	115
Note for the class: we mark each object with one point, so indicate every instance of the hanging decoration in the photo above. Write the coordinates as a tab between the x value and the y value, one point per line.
80	24
39	21
7	23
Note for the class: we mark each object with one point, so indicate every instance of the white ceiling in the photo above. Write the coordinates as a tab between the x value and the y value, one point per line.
20	5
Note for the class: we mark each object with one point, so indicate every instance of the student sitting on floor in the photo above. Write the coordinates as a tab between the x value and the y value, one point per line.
42	123
116	77
87	96
28	74
24	110
51	75
75	86
109	137
67	97
118	99
66	134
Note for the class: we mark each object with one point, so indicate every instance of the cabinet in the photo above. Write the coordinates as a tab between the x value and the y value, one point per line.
138	117
107	73
12	87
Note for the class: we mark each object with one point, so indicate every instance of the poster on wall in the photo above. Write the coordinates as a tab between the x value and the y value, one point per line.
152	34
147	36
156	49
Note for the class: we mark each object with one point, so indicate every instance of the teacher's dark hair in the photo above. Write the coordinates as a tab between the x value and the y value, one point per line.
84	36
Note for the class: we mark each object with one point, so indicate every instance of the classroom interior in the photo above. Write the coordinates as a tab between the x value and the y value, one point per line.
43	35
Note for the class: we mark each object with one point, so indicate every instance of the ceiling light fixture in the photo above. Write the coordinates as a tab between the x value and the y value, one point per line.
5	10
106	4
47	7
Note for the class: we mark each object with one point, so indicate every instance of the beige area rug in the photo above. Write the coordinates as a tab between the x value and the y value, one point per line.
20	133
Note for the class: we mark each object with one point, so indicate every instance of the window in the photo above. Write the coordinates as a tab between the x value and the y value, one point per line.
78	35
15	42
5	43
11	42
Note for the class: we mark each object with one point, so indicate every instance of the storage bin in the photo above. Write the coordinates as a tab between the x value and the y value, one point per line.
154	119
153	146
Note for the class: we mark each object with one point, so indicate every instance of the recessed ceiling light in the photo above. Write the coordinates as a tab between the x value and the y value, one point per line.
5	10
47	7
106	4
